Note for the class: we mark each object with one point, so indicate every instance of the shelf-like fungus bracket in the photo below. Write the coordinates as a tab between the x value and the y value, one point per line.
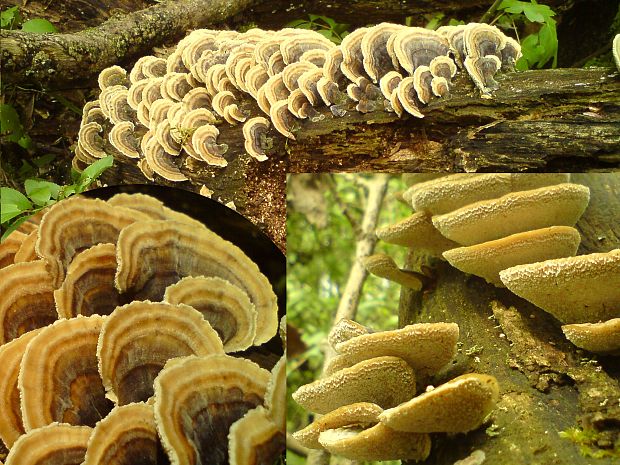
560	204
275	396
359	414
489	258
58	378
27	301
9	247
344	330
255	137
76	224
53	444
581	289
126	436
197	399
385	381
254	439
426	347
11	425
138	338
376	443
88	288
384	266
226	307
600	338
153	254
458	406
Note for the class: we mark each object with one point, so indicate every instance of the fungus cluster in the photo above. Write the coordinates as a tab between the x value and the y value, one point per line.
121	324
260	78
515	231
374	396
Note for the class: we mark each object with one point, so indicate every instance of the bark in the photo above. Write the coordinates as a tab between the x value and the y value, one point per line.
547	385
58	59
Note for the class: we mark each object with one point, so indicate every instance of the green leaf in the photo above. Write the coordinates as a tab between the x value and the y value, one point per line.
35	185
434	22
296	23
39	26
328	34
10	196
329	21
10	18
68	104
92	172
532	12
10	124
25	141
314	17
13	226
9	211
44	160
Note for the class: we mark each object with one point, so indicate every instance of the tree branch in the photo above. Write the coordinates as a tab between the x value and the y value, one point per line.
55	60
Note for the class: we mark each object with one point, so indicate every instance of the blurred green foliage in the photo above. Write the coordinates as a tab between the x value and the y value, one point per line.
324	25
319	260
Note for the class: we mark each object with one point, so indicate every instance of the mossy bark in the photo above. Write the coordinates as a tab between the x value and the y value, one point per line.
547	385
55	60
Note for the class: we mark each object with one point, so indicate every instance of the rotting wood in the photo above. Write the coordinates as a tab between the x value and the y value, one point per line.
54	60
547	385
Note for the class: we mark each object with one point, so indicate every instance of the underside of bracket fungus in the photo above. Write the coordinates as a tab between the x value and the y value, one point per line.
53	444
577	289
58	379
458	406
126	436
197	399
153	254
137	339
263	81
600	338
68	333
489	258
560	204
226	307
385	381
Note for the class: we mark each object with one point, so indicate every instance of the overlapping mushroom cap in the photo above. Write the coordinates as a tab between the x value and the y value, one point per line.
59	356
286	75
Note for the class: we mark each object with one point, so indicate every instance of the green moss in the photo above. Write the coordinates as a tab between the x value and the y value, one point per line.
587	440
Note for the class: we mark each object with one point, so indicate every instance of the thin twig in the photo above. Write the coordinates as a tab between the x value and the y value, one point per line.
490	12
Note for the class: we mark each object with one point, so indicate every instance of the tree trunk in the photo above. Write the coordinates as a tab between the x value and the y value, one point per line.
54	60
546	384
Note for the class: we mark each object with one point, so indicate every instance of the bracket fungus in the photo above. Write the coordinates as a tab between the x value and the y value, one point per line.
228	73
385	381
69	333
254	439
600	338
197	399
138	338
577	289
384	266
53	444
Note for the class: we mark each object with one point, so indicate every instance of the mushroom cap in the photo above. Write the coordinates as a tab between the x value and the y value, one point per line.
275	395
282	119
27	299
197	399
293	47
159	160
53	444
377	61
204	142
26	252
376	443
291	73
254	439
151	253
415	46
254	131
58	379
359	414
458	406
416	178
389	82
384	266
615	48
422	83
344	330
111	76
489	258
225	306
123	138
138	338
577	289
9	247
452	192
11	426
352	65
561	204
417	232
385	381
426	347
405	91
600	338
76	224
88	288
127	435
